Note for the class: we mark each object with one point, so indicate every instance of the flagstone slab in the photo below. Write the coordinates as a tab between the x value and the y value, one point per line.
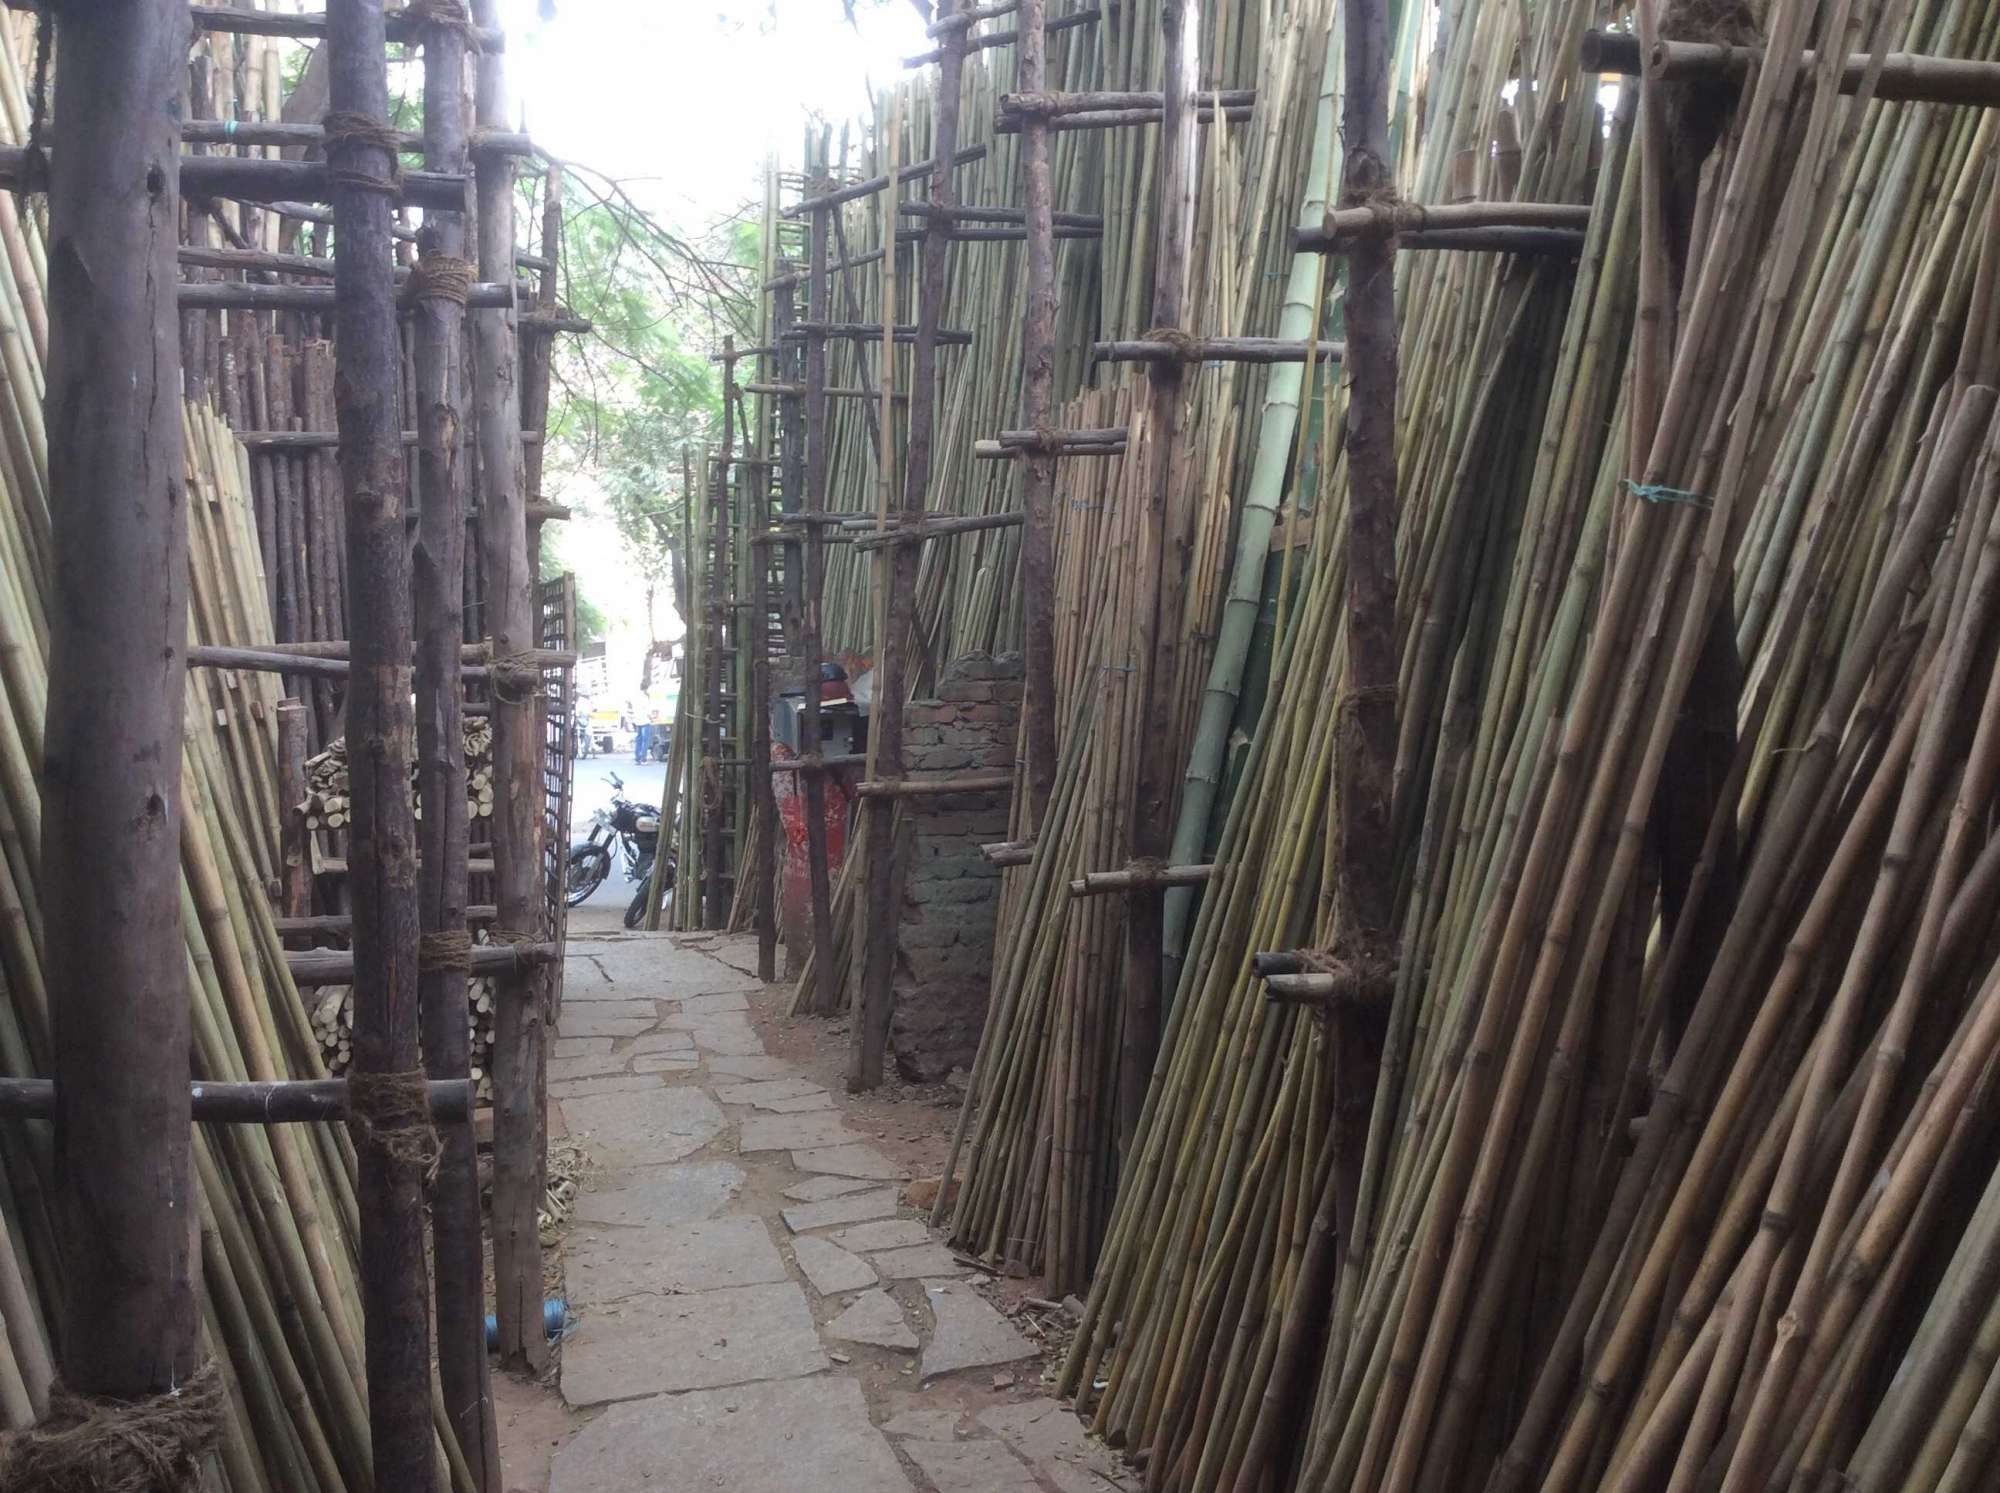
587	1065
966	1332
593	1021
724	1000
650	1042
749	1065
685	1193
797	1436
829	1268
610	1264
926	1425
885	1233
727	1041
1048	1434
580	1047
652	1344
856	1160
650	1127
603	1083
819	1189
793	1132
917	1261
766	1091
665	1062
853	1208
876	1321
971	1467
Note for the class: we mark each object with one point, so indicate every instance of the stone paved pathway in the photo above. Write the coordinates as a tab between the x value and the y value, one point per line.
743	1277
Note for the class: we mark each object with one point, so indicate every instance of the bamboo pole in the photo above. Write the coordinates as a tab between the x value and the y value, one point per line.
519	1141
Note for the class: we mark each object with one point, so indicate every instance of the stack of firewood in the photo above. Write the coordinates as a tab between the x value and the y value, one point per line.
333	1025
326	805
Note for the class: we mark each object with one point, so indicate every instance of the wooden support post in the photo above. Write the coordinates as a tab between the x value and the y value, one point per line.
1162	566
881	899
519	1128
719	595
443	960
813	575
763	797
1038	468
391	1136
538	349
1366	745
295	897
116	960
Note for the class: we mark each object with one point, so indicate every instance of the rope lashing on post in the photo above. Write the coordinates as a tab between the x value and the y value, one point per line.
345	130
448	948
516	676
1187	349
90	1445
390	1114
440	277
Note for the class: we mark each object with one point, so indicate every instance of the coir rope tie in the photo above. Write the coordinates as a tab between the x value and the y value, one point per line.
1186	348
89	1445
343	130
390	1114
514	676
440	277
449	948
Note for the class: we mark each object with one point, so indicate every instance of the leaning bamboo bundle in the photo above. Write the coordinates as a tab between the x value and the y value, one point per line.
1505	1225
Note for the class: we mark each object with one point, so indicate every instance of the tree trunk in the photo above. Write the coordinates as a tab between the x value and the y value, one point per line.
117	964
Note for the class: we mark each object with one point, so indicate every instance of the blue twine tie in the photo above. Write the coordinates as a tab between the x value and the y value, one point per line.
1656	492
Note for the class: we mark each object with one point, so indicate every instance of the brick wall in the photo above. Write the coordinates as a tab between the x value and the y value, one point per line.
950	893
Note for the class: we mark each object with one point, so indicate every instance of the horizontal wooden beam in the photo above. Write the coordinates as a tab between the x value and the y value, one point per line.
991	215
1158	349
798	391
820	764
1345	224
245	295
255	261
972	15
265	132
931	787
1138	878
295	1101
309	24
1007	38
1905	77
262	179
935	528
1008	852
864	332
315	967
855	191
1056	105
1114	119
341	922
327	440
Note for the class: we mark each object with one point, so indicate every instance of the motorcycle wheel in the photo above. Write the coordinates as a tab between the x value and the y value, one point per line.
636	913
588	866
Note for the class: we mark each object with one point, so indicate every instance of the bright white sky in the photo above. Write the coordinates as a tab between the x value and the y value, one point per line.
692	96
685	101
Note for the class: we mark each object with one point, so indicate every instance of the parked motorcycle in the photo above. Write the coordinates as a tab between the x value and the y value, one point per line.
633	829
